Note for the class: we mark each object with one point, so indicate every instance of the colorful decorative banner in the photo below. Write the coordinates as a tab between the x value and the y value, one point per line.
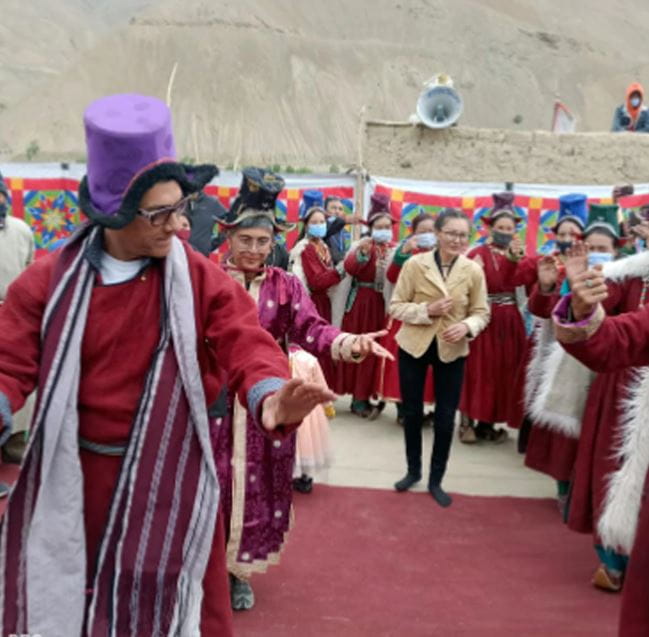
45	195
49	206
48	202
288	202
538	207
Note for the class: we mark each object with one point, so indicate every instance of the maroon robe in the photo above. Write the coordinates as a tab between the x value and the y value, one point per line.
122	332
366	312
549	451
600	428
320	277
526	276
622	342
498	351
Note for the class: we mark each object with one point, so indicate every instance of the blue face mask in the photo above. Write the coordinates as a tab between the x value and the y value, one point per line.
597	258
426	240
317	230
382	236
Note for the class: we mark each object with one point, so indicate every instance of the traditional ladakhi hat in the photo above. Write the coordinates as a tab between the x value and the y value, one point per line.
311	199
379	207
130	148
503	205
572	207
257	198
604	218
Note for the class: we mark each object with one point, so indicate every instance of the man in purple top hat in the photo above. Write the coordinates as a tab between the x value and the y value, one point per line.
113	526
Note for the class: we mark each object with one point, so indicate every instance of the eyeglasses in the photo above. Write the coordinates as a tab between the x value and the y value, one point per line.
248	243
456	236
160	216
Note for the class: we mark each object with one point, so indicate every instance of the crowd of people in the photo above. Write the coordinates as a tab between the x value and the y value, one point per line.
179	402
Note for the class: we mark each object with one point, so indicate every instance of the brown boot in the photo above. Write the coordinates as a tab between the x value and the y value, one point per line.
606	581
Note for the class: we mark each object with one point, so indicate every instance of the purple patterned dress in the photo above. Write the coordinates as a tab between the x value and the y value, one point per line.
255	471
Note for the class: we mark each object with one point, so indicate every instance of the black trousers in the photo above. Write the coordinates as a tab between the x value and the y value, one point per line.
448	387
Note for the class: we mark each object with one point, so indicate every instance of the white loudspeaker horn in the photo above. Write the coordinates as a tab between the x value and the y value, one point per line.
439	105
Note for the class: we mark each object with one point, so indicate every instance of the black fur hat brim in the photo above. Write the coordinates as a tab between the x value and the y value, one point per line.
191	179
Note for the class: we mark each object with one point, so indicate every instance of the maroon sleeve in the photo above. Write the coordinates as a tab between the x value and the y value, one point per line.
392	273
526	273
540	304
307	328
254	363
318	275
355	263
619	342
20	332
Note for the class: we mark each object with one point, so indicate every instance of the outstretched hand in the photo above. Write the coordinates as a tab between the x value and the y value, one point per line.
547	273
365	344
576	261
588	289
292	403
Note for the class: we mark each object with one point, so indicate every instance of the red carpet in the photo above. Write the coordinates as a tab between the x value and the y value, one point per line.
364	562
373	563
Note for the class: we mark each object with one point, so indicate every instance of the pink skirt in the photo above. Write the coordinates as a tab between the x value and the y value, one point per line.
312	444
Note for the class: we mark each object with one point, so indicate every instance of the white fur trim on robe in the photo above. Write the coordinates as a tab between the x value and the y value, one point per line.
619	520
557	386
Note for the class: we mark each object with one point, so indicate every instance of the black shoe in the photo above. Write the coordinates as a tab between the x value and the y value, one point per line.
440	496
303	484
406	482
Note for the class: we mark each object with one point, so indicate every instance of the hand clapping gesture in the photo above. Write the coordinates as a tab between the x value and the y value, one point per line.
588	286
547	273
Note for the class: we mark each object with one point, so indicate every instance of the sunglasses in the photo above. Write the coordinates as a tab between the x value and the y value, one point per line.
160	216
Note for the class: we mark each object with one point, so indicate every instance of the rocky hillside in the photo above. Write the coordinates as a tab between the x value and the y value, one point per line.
284	82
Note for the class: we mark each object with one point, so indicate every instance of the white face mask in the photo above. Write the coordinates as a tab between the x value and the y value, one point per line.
635	102
382	236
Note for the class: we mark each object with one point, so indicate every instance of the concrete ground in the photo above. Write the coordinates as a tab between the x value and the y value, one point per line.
371	454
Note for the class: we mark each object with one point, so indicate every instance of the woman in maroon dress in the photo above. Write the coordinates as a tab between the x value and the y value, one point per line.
422	239
607	344
497	352
553	442
606	419
546	450
365	309
311	261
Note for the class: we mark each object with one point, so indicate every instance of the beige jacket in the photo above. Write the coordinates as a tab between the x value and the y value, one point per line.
420	283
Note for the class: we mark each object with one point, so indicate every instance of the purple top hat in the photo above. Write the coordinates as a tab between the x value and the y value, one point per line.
130	148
